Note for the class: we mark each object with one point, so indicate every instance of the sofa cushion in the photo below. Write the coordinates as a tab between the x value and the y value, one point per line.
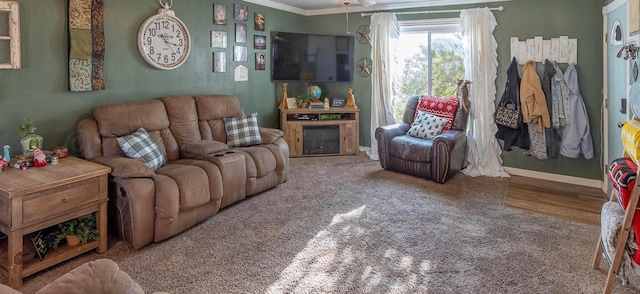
442	107
139	145
426	125
242	131
410	148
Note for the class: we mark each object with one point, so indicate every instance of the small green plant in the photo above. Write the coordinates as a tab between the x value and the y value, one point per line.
84	227
306	98
26	127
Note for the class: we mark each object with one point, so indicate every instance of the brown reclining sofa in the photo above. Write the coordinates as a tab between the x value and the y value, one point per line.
201	174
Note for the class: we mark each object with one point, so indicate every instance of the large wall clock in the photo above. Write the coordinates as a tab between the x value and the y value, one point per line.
164	40
364	67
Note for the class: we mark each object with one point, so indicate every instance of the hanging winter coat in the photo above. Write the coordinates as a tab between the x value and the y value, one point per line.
551	135
576	137
534	105
513	137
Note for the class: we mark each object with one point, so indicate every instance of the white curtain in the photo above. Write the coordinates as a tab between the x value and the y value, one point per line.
384	30
481	65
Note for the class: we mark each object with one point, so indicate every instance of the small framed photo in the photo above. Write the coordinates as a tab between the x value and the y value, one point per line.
218	39
291	103
337	102
239	53
258	21
241	12
219	14
259	42
219	61
261	59
241	33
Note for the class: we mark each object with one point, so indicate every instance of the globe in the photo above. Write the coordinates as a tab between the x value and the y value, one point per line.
314	91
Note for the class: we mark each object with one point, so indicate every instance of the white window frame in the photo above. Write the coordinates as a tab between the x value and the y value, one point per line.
429	26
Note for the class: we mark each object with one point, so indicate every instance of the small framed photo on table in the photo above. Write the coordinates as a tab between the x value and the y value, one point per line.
337	102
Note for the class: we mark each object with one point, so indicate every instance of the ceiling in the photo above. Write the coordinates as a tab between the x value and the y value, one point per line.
320	7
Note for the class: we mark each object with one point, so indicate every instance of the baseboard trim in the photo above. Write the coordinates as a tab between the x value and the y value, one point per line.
554	177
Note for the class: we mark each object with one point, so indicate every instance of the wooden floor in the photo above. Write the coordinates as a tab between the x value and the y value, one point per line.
573	202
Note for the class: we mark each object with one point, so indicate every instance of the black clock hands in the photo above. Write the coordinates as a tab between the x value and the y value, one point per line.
164	38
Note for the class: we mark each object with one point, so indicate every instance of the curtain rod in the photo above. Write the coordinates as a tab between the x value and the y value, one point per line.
499	8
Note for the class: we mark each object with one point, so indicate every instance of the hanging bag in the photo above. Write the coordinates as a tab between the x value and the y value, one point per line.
508	114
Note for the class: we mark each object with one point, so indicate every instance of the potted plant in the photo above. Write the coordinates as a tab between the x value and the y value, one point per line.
75	231
303	100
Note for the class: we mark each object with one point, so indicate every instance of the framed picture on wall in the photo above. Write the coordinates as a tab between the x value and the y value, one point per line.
241	33
261	59
258	21
259	42
219	14
219	61
218	39
241	12
239	53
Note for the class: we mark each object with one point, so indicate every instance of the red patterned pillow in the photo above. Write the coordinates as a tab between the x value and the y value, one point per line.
442	107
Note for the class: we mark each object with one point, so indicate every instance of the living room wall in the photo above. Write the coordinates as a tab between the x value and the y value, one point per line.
521	18
39	90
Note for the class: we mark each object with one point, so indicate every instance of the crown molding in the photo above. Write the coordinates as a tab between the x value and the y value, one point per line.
360	8
279	6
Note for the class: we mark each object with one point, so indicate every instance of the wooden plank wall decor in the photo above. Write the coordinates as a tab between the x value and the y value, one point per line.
86	45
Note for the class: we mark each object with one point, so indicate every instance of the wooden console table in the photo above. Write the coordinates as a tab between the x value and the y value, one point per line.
340	135
38	198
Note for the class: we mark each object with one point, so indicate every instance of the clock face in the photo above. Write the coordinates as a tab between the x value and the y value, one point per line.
164	40
364	67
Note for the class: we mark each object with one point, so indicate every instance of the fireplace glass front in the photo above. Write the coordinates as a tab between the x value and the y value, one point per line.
321	140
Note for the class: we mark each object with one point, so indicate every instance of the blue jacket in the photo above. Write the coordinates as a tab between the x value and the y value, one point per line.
576	137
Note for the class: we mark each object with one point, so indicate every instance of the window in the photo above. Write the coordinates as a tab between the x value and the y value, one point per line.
430	58
9	35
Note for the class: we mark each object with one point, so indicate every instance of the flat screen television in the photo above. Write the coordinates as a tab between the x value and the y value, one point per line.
311	57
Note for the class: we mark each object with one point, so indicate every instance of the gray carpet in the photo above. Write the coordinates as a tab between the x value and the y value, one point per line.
344	225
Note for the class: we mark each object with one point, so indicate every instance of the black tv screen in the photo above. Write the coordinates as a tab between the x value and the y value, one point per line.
311	57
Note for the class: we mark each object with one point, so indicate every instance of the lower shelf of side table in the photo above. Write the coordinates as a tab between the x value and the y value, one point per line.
52	257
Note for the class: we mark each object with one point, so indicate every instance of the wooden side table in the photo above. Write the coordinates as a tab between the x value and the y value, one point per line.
38	198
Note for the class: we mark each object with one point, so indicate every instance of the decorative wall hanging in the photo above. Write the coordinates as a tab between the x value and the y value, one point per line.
561	50
86	49
10	35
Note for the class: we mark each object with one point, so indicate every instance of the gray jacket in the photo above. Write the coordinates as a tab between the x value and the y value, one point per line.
576	137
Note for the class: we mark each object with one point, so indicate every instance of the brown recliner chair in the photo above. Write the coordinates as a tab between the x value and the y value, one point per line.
438	159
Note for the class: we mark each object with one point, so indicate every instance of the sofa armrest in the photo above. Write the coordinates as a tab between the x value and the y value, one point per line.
8	290
270	135
449	153
197	149
384	135
98	276
125	167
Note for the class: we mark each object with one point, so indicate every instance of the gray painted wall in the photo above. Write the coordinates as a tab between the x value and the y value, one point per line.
39	90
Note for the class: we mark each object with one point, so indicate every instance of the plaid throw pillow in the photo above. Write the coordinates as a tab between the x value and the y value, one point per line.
442	107
139	145
426	126
242	131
